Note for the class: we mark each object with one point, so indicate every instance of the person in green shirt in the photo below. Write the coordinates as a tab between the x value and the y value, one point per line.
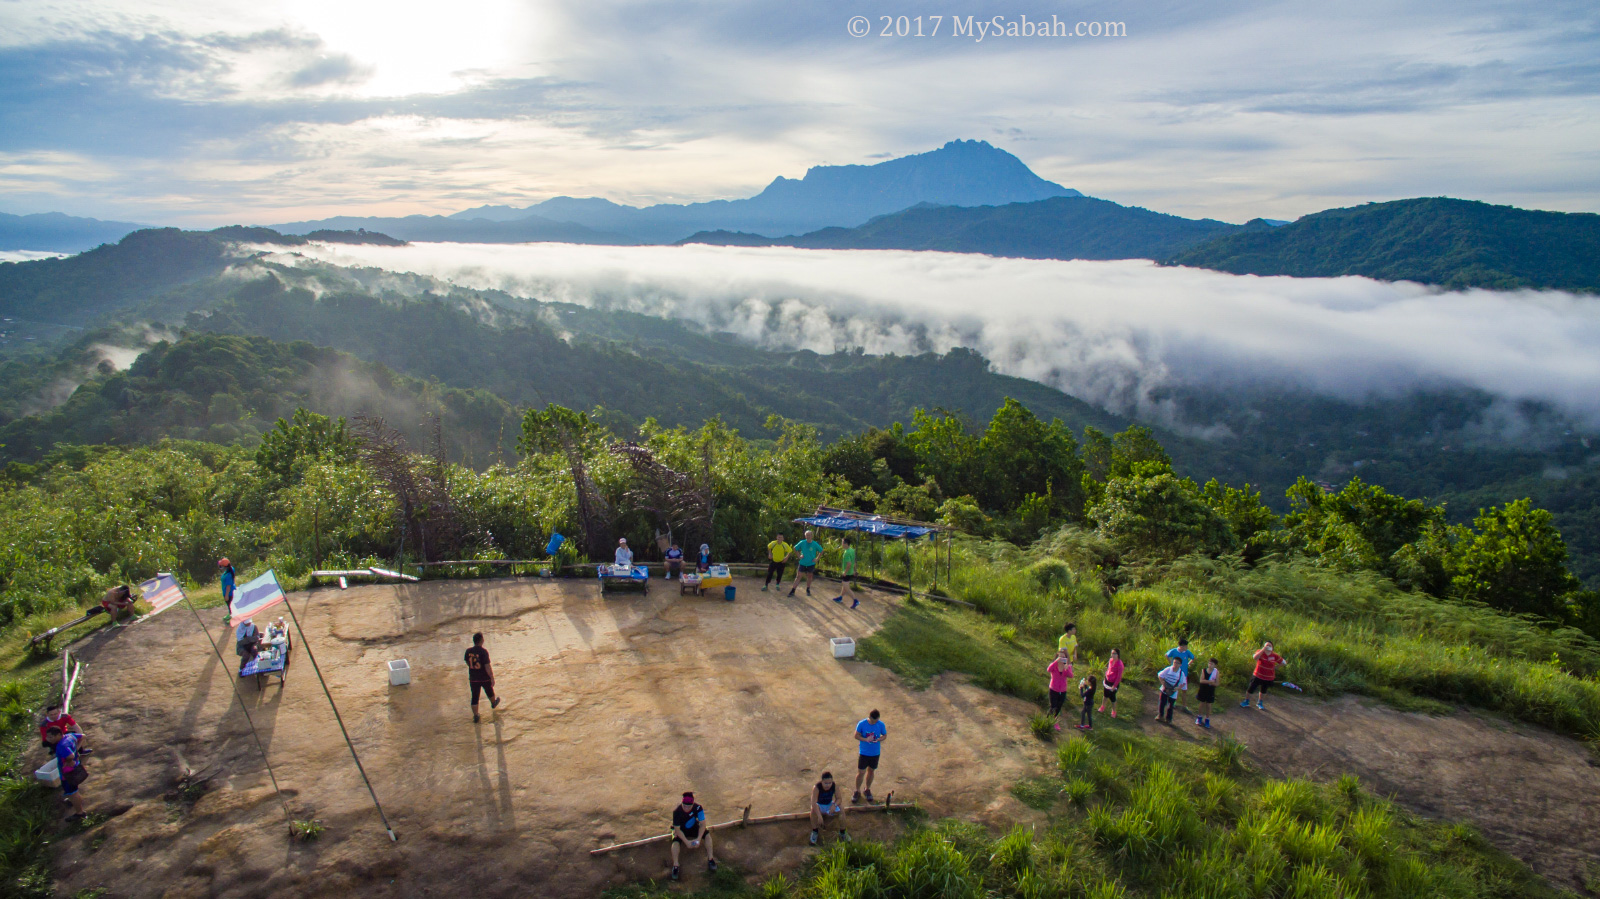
808	550
1069	641
847	574
778	553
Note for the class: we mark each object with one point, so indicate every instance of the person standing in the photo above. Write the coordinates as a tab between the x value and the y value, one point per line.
1267	664
1086	692
1069	642
1169	678
1207	694
809	550
1112	681
1059	669
624	554
689	830
847	574
480	675
1184	656
870	732
230	577
824	805
778	556
674	562
70	766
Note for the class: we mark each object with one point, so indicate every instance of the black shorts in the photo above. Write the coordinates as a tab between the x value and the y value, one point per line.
867	761
1206	693
807	569
1257	683
481	686
695	835
1111	691
1058	698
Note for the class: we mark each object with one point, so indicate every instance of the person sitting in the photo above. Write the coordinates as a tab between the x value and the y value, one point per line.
674	562
824	805
247	643
55	717
688	824
704	562
70	765
118	601
278	632
624	554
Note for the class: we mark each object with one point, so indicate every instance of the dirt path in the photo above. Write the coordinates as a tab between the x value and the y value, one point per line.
1534	794
614	706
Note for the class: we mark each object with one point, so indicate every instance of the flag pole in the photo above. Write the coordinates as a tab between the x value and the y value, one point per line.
234	683
312	656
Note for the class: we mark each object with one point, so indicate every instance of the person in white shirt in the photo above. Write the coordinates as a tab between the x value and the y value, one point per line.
624	554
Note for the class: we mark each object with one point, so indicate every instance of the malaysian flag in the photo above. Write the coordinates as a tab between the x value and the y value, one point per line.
161	592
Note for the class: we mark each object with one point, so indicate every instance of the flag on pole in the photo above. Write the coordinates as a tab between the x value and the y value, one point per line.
255	597
161	592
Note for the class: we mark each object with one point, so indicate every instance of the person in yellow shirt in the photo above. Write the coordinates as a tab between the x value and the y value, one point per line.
1069	641
778	552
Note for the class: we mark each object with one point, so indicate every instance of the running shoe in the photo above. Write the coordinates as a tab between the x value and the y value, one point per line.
868	796
855	603
674	875
1260	707
813	836
856	797
1245	704
843	837
839	600
712	866
494	703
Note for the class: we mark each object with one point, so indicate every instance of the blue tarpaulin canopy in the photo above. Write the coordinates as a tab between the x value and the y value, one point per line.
880	528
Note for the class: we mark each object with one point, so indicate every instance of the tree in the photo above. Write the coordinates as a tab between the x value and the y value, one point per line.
1515	560
1025	456
306	436
1258	530
1360	526
946	452
1134	445
1160	517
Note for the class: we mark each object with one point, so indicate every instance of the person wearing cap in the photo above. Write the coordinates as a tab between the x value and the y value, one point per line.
247	643
229	576
703	564
689	829
624	554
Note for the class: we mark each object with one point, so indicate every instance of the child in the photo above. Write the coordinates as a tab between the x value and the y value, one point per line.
1169	679
1060	668
1207	694
1113	680
1086	690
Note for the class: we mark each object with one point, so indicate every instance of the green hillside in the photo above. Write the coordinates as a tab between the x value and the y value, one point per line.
1057	228
1433	240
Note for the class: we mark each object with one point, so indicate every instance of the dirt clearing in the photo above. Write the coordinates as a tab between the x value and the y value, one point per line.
613	706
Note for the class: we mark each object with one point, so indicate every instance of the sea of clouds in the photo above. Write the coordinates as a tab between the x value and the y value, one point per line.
1108	332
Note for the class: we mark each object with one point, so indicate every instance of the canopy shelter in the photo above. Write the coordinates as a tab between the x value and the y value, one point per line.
883	526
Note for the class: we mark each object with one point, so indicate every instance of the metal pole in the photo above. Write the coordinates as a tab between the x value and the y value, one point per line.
312	656
234	683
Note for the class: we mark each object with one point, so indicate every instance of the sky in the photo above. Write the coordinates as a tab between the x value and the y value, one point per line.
206	113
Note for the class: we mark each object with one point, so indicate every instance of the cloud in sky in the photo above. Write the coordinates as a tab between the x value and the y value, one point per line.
177	110
1109	332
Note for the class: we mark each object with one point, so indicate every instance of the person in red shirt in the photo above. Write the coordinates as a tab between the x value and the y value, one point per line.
54	717
1267	664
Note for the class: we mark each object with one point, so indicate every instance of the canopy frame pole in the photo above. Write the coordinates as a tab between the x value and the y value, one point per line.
234	683
337	717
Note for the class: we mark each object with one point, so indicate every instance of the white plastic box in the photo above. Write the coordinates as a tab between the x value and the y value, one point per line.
50	774
843	647
399	673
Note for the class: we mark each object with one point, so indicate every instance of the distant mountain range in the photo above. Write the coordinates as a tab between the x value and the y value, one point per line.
961	173
59	233
1058	228
1431	240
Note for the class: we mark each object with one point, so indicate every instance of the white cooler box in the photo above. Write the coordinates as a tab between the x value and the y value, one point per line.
50	774
843	647
399	673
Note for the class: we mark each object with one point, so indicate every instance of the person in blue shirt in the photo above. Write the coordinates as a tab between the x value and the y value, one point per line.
704	564
65	747
809	549
1183	657
871	733
689	830
229	576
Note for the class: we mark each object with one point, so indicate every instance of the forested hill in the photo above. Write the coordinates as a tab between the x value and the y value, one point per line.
1056	228
1433	240
77	290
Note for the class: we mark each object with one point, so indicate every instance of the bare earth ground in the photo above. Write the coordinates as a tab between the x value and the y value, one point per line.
1534	794
613	707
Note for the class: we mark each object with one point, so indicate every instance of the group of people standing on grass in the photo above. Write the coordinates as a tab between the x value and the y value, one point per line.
1172	681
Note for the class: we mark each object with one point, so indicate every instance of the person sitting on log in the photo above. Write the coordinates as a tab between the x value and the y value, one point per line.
824	805
689	829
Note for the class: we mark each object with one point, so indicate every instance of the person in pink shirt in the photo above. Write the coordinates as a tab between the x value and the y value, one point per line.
1060	669
1111	682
